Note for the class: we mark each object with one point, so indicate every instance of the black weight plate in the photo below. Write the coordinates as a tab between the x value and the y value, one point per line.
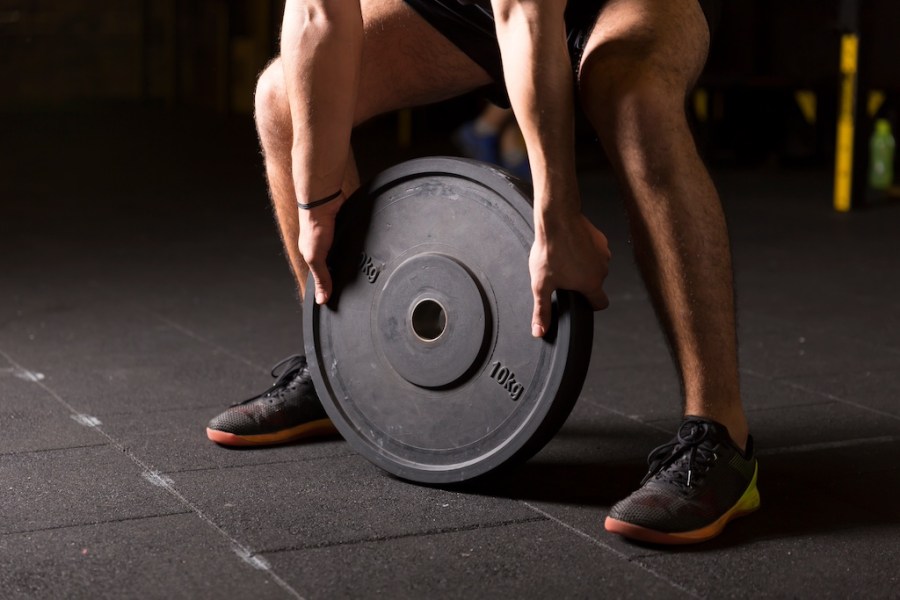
423	357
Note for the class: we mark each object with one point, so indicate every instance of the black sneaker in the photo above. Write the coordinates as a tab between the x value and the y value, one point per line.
696	484
286	412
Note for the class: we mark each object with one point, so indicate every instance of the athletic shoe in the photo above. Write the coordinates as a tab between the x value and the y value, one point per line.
475	145
696	484
288	411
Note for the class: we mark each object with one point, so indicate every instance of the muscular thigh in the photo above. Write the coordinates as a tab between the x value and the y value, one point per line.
664	39
406	62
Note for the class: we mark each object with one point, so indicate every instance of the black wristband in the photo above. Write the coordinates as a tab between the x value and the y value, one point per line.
320	202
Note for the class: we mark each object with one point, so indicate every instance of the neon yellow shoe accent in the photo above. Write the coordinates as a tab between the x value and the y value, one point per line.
748	502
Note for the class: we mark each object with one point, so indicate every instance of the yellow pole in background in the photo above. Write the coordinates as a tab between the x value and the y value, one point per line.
843	160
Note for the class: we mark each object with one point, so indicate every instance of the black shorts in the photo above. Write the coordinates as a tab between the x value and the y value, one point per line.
470	27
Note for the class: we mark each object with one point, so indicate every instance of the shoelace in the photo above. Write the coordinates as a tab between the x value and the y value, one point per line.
689	440
292	365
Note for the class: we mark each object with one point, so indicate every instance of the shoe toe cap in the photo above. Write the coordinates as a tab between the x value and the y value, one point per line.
231	421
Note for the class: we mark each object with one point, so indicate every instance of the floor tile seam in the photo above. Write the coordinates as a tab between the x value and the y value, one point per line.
749	411
259	464
188	332
745	372
787	378
787	375
823	330
94	523
648	424
41	383
618	554
878	370
158	411
631	366
60	449
783	380
863	407
241	550
763	409
833	445
402	536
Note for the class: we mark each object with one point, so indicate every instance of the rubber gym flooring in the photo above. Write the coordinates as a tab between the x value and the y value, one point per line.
143	290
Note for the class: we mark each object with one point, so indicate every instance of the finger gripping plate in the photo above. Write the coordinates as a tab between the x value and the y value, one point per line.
423	356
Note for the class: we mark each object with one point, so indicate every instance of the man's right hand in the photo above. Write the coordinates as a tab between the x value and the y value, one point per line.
570	255
316	236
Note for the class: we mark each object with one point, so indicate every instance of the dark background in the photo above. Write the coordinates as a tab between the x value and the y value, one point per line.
204	55
143	289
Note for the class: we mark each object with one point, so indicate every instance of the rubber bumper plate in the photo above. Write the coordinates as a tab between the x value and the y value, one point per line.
423	357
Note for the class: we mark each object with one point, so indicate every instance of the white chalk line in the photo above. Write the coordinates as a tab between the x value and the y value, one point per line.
86	420
23	374
151	475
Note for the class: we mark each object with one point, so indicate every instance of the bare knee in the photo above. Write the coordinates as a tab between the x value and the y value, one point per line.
641	60
639	115
272	111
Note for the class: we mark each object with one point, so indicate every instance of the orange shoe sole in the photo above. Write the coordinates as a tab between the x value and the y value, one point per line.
748	503
313	429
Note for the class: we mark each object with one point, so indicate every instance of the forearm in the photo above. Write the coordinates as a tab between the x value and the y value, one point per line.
539	82
321	46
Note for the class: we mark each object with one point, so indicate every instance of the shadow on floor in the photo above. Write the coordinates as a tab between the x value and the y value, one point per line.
803	494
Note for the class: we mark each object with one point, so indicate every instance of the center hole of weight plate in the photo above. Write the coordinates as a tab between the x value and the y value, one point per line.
429	320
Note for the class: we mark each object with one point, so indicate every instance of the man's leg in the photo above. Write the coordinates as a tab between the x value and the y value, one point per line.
641	61
405	63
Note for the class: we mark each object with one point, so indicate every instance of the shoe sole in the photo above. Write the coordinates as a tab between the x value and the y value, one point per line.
748	503
320	428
